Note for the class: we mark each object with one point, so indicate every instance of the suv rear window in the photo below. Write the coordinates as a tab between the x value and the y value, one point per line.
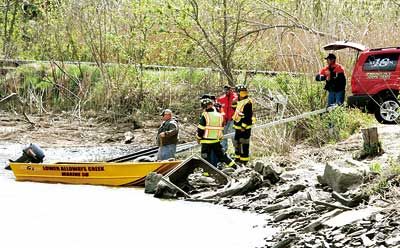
381	62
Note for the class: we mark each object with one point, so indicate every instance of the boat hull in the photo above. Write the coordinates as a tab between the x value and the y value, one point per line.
94	173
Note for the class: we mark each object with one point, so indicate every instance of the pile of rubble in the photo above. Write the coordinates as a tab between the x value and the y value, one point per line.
312	205
332	211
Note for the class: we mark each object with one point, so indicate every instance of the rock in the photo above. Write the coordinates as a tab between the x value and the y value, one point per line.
349	217
288	176
314	225
293	189
278	206
393	241
366	241
376	217
284	243
300	197
268	171
288	213
165	191
340	176
151	181
129	137
357	233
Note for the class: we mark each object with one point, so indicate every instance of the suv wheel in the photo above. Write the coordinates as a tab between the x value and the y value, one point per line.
388	111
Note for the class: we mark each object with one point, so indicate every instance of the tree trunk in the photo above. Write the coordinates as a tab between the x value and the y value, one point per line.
372	146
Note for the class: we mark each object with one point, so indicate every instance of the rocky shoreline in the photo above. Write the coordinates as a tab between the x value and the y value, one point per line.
319	197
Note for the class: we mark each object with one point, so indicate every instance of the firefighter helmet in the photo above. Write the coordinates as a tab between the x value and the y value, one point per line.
241	87
204	102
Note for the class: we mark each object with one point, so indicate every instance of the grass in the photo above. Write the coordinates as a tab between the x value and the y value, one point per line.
387	181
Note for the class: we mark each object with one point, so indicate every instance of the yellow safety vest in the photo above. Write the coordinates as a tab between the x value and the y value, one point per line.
238	115
214	125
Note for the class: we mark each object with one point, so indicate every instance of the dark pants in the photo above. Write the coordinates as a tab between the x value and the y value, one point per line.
241	142
215	148
213	158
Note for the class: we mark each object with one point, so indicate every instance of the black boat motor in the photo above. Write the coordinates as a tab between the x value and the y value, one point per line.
31	154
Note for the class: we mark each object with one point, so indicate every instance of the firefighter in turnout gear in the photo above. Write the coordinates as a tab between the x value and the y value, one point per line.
210	133
242	123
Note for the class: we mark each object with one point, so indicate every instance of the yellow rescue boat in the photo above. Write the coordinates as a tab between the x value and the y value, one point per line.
95	173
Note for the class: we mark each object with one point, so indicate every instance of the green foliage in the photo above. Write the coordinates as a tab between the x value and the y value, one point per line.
376	168
389	177
334	126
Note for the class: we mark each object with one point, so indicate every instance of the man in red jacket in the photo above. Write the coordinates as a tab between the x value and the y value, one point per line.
335	79
228	99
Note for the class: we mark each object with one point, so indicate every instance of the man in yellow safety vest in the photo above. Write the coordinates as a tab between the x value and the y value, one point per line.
242	123
210	133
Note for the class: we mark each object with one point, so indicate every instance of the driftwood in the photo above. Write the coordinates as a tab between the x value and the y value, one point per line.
292	190
331	205
15	95
201	200
7	98
242	187
277	206
349	202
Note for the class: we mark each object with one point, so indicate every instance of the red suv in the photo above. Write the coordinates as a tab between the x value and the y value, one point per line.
375	81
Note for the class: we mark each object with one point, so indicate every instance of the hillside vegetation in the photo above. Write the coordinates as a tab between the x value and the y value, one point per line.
120	37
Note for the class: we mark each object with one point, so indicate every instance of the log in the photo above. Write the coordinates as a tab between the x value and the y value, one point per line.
242	187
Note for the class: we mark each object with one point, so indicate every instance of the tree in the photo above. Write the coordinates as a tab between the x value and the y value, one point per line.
216	27
10	12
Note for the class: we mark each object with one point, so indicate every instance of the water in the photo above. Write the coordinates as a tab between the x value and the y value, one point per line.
73	216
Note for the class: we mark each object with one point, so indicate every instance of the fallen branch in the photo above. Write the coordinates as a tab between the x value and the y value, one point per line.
331	205
8	97
28	119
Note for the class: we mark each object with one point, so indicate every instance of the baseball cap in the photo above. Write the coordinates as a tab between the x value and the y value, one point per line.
166	111
331	56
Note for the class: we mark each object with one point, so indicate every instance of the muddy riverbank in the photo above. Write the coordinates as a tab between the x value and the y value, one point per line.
63	130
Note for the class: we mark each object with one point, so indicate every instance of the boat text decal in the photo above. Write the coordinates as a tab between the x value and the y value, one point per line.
74	171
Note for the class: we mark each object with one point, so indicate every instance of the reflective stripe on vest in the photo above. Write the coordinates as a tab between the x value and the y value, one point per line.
238	115
214	125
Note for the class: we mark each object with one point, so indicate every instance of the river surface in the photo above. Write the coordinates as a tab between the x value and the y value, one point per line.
72	216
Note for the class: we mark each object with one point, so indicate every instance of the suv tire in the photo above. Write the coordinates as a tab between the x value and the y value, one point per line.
387	110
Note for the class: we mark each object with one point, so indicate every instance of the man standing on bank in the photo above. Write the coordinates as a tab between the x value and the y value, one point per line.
167	136
209	134
242	123
335	79
227	100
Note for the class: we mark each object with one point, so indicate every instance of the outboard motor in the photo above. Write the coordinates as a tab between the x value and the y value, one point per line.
31	154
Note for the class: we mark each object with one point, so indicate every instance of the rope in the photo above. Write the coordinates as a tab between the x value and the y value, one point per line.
272	123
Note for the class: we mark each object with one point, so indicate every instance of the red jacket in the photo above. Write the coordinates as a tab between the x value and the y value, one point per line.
334	76
226	105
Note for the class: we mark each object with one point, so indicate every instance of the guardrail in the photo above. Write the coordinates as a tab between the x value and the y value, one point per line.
18	62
